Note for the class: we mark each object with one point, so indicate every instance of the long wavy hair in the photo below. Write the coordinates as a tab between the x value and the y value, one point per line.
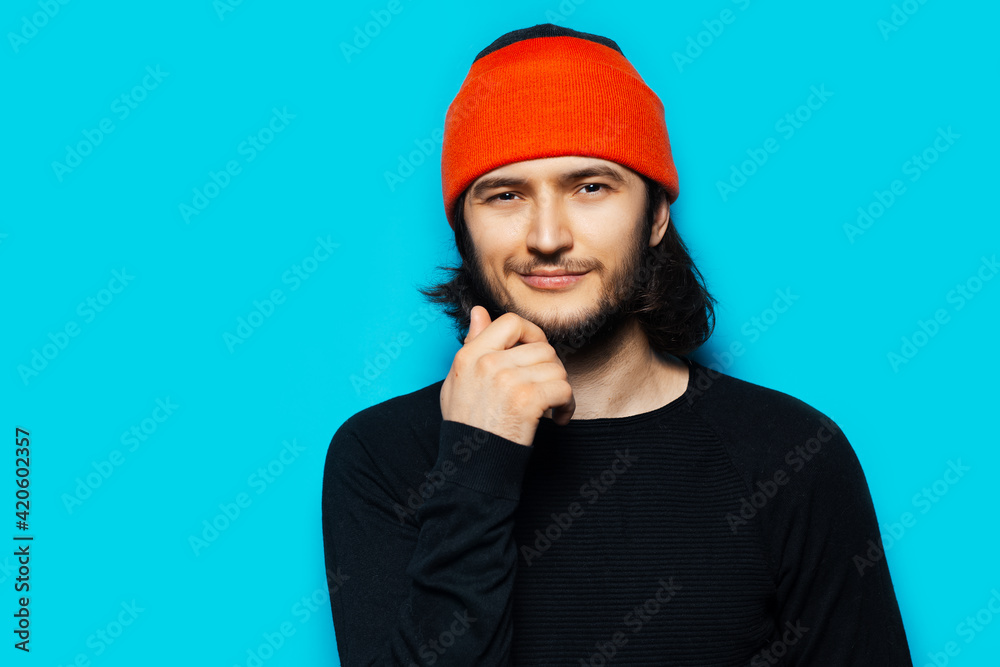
672	303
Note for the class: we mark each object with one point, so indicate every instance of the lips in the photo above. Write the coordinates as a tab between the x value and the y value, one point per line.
552	279
555	272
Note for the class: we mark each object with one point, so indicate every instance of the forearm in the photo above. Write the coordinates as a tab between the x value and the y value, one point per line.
453	606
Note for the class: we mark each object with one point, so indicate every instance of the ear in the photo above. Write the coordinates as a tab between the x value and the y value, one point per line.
660	221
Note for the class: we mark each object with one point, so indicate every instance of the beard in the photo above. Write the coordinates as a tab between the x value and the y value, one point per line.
584	329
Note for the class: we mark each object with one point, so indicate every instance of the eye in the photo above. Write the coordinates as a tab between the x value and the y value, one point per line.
497	197
508	196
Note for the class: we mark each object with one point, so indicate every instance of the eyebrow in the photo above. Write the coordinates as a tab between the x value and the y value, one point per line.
486	184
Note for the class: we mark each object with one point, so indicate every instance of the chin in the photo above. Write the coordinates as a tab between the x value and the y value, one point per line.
555	321
554	310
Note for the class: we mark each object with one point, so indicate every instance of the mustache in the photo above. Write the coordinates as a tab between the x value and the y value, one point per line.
571	267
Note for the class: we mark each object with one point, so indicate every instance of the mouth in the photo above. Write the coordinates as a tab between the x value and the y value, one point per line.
550	280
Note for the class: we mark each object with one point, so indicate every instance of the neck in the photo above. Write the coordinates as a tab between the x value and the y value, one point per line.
623	376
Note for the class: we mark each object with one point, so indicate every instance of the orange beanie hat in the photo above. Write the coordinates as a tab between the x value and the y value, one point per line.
547	91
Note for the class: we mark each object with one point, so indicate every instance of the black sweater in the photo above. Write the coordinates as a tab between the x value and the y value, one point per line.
731	526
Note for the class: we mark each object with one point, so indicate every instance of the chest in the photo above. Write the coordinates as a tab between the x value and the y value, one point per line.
628	548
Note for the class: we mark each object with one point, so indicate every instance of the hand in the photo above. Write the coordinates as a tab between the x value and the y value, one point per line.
505	378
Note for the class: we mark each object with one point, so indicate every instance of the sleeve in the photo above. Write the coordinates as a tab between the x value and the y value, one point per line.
835	601
433	588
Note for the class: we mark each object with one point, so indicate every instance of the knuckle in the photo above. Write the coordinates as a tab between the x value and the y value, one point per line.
488	364
566	391
547	351
461	358
522	397
510	317
504	377
559	371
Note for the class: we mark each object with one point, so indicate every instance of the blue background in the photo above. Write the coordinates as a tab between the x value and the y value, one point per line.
322	179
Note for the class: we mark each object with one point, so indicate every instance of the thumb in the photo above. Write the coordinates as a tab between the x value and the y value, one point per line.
479	319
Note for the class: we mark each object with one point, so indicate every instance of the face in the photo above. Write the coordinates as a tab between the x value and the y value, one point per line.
558	241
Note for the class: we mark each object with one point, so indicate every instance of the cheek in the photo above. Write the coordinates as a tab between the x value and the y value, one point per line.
496	246
491	261
607	246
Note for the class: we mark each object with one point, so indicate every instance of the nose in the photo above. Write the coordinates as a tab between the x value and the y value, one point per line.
549	228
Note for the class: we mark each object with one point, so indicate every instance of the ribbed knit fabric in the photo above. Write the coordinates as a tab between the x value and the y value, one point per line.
720	529
546	96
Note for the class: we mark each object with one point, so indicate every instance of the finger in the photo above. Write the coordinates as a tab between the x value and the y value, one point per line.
525	377
479	319
507	331
563	414
549	381
562	410
528	354
541	373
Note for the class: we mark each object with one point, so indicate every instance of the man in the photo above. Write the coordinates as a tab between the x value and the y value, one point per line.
576	491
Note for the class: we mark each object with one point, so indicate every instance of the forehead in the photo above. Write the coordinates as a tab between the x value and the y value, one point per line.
556	167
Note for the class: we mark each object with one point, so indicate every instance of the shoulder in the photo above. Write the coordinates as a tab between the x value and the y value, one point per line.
403	429
802	478
416	410
766	429
731	402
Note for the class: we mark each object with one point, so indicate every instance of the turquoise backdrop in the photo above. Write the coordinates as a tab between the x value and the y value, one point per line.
216	215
